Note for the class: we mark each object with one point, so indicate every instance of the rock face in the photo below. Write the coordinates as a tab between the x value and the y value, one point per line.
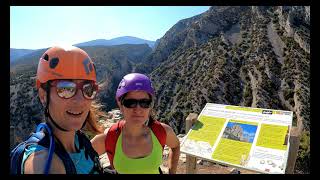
250	71
25	107
267	66
296	22
194	31
235	133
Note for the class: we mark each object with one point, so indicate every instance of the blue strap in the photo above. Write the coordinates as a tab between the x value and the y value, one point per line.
17	153
15	158
52	145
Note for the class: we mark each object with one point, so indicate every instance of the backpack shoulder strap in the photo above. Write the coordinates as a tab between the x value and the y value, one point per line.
159	132
89	151
51	142
56	147
16	155
111	139
64	156
38	137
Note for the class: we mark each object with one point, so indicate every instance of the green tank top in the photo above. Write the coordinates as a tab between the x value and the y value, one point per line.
145	165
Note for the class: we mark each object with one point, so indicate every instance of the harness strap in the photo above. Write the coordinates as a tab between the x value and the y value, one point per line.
89	152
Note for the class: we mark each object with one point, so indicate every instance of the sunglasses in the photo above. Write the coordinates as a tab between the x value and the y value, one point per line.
133	103
67	89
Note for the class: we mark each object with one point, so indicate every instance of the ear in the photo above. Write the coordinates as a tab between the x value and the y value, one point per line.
119	105
42	96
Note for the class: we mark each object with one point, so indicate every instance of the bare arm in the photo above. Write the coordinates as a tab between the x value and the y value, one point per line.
98	142
36	162
174	153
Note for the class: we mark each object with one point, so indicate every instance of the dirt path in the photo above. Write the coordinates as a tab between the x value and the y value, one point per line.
276	42
254	84
281	96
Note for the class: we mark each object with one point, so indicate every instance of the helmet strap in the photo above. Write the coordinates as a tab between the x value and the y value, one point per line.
85	122
47	113
147	122
53	122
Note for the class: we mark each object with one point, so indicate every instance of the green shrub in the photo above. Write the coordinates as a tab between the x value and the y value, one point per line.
288	93
303	157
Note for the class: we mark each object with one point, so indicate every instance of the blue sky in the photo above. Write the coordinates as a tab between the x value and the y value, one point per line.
35	27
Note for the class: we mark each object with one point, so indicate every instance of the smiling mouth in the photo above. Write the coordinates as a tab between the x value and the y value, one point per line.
74	113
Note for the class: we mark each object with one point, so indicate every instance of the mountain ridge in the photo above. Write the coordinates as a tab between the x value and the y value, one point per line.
116	41
16	54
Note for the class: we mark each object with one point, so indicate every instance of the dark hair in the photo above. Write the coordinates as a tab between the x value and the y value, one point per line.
151	117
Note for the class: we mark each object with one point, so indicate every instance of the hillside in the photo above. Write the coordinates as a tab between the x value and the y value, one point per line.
17	53
262	60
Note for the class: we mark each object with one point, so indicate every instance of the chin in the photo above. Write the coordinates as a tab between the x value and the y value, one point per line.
76	125
138	120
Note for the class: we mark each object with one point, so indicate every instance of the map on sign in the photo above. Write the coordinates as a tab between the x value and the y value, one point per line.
249	138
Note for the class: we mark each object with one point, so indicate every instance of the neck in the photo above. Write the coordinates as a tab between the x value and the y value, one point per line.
67	139
134	130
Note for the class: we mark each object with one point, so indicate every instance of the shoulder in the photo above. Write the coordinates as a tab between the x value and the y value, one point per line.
36	162
99	138
106	131
98	142
167	128
172	141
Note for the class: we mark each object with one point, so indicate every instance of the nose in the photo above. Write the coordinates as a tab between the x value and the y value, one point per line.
78	96
137	108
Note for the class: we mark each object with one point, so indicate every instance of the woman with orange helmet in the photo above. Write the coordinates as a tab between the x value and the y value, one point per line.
66	83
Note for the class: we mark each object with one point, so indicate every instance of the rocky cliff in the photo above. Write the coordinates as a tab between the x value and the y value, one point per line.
194	31
261	59
253	63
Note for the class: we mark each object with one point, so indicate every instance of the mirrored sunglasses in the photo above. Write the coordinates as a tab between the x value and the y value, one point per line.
67	89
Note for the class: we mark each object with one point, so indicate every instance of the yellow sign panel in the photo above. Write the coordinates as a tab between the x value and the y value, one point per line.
273	136
208	133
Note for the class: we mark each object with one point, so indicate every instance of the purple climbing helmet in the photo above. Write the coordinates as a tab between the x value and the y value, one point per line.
134	82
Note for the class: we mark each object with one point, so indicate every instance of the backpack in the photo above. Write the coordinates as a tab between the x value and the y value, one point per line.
115	130
48	140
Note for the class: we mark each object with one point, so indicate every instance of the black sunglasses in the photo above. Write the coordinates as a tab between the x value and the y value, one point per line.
132	103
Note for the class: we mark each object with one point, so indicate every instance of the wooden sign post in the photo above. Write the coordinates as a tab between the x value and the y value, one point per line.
191	161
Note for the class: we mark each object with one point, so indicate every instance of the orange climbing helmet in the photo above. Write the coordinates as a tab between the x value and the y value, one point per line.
65	63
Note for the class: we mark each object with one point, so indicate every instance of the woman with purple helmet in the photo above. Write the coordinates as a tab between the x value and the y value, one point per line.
139	146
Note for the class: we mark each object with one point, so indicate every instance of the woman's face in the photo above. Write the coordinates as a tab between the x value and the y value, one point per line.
69	113
136	114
